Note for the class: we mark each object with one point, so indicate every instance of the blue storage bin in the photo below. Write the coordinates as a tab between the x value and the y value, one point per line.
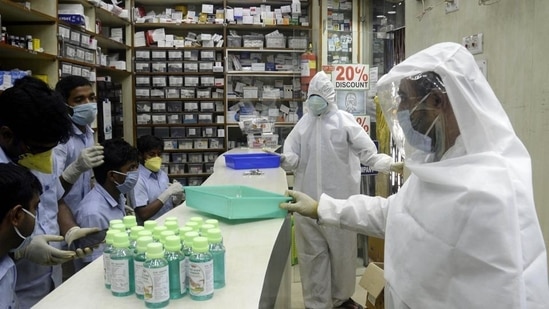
236	201
239	161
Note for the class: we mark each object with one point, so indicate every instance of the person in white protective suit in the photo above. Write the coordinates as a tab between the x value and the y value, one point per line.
462	232
324	150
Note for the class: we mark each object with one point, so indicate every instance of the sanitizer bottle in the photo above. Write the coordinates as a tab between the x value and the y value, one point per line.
201	270
138	261
177	266
122	276
187	251
109	239
156	284
218	252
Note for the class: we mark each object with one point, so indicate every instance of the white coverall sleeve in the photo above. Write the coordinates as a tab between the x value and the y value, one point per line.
359	213
292	149
366	150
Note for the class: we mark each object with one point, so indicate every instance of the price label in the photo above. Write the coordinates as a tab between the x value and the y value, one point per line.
364	122
351	77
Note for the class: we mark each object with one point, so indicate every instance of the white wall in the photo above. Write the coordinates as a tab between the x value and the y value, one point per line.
516	48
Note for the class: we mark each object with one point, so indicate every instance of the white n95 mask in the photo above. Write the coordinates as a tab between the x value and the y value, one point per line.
317	105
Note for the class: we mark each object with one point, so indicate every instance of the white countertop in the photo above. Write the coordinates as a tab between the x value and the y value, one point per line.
249	245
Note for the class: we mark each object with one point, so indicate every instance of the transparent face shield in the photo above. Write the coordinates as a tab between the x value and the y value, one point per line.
417	128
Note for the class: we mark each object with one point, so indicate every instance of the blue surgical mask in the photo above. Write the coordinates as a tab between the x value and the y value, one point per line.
26	239
84	114
416	139
129	182
317	105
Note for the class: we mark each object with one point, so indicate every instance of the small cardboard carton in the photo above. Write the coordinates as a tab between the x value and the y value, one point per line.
373	282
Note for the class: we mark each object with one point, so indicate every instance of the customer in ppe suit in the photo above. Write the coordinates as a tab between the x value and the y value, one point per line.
462	232
324	150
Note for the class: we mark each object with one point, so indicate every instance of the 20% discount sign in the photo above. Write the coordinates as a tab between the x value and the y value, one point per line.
351	76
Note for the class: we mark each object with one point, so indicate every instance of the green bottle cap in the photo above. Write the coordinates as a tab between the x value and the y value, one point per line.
189	237
129	221
183	230
142	243
165	234
115	221
214	236
144	233
200	244
119	227
157	230
198	220
172	243
121	240
109	238
134	231
171	219
195	226
172	226
150	225
154	251
213	222
204	229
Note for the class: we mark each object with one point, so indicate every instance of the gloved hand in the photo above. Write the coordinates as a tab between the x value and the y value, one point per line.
178	197
282	158
302	204
89	158
39	251
77	232
173	189
397	167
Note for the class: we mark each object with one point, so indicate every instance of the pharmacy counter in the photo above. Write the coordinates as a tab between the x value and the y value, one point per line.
257	258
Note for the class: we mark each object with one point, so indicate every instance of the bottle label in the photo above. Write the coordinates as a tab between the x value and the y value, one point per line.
138	269
183	275
156	284
201	278
107	268
120	276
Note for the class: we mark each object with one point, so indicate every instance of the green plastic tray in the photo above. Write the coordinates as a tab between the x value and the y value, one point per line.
236	202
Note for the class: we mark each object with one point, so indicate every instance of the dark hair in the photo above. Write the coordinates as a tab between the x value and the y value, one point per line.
69	83
427	81
17	187
33	111
117	153
147	143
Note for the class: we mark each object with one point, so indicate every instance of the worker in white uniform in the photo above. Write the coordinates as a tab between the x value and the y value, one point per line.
324	150
462	232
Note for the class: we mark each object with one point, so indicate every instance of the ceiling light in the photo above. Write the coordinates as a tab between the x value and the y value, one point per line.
391	12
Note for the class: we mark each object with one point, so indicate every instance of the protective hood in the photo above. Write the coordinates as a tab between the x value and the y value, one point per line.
321	85
463	231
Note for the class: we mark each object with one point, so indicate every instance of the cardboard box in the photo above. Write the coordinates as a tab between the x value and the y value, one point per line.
376	247
373	282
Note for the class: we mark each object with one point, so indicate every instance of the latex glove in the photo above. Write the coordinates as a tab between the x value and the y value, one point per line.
173	189
282	158
77	232
89	158
302	204
397	167
39	251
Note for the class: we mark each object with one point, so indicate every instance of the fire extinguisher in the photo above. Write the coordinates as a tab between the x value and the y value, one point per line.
308	67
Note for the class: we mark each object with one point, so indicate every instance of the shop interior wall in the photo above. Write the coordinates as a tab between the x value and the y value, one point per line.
515	49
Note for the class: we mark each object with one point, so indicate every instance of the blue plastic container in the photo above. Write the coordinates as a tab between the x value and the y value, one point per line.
236	202
240	161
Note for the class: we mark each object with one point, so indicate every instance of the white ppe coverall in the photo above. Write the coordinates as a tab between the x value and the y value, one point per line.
462	232
325	153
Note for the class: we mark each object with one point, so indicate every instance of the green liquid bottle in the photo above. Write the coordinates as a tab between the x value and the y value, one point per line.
198	220
213	222
138	261
129	222
156	282
156	232
150	225
109	238
187	251
218	252
165	234
122	276
172	226
134	234
201	274
204	229
177	267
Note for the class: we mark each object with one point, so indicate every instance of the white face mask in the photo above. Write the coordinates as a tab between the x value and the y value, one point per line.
317	105
26	239
84	114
